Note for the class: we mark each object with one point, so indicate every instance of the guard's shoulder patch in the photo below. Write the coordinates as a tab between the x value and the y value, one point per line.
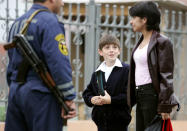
61	44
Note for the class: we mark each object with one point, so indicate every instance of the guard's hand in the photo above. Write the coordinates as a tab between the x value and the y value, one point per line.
165	116
106	99
71	113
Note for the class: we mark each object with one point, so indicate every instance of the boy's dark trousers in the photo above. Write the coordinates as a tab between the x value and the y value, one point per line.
146	109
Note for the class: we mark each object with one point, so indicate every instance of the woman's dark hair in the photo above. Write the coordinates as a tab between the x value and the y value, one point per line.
39	1
150	11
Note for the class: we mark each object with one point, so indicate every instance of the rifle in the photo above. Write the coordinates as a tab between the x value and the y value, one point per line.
38	65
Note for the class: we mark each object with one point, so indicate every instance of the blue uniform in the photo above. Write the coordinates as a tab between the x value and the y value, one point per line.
32	107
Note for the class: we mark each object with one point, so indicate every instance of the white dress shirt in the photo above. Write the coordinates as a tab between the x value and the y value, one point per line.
108	69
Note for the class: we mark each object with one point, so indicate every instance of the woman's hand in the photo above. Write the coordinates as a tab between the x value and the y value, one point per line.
165	116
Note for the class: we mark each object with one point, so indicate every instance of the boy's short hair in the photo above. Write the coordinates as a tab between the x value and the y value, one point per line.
108	39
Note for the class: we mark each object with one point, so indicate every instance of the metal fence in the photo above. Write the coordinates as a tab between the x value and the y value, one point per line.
84	25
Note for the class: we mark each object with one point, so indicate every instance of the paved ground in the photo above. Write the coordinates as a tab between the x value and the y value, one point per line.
85	125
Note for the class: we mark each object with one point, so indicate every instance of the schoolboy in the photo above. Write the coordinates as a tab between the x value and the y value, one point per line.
110	112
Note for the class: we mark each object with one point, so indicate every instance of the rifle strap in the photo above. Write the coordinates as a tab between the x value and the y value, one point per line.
26	25
24	29
24	65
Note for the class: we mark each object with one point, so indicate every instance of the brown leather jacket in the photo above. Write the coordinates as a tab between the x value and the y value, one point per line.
161	66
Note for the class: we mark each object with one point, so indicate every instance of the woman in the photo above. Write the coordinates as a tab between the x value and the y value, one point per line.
150	83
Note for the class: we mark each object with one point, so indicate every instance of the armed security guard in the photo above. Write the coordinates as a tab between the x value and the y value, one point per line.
31	105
